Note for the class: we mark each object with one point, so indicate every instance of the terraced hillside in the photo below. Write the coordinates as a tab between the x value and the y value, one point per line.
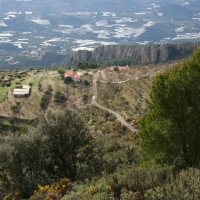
124	92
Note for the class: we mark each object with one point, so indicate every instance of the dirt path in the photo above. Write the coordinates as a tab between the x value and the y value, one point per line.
117	115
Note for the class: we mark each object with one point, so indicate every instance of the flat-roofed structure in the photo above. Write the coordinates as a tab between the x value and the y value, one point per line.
23	91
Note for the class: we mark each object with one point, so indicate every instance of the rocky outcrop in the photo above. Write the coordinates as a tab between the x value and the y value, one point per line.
137	53
80	56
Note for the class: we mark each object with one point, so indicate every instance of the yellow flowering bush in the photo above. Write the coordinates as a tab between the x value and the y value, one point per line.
54	191
96	189
108	188
91	189
61	185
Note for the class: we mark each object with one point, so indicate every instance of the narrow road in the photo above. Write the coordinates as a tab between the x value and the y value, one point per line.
118	116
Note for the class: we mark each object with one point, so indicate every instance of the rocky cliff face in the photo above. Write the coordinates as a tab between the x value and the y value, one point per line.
150	53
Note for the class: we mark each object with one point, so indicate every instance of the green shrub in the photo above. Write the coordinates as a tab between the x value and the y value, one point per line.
45	100
185	186
59	97
137	179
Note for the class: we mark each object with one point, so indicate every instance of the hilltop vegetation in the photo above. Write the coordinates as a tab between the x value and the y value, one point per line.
83	152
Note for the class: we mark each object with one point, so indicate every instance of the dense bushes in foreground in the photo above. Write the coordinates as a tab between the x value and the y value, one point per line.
37	165
136	184
59	147
60	159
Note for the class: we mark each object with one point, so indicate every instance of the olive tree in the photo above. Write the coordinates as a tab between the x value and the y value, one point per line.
68	141
60	146
22	162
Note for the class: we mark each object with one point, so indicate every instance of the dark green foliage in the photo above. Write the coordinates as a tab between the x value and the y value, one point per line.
59	147
18	83
185	186
169	131
85	98
21	162
39	85
111	153
87	65
68	79
136	179
5	160
49	88
13	124
59	97
5	83
16	108
61	71
86	83
46	98
67	139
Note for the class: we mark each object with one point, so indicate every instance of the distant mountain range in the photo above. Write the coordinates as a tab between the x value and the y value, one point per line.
61	26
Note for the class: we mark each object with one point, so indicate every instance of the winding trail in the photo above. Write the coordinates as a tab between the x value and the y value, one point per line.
118	116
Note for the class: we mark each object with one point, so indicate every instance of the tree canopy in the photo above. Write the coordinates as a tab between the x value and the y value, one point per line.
170	130
67	142
59	147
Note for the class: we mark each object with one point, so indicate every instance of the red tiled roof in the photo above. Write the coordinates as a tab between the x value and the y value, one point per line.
69	73
123	67
74	75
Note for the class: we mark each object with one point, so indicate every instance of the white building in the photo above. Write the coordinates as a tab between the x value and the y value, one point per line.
23	91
